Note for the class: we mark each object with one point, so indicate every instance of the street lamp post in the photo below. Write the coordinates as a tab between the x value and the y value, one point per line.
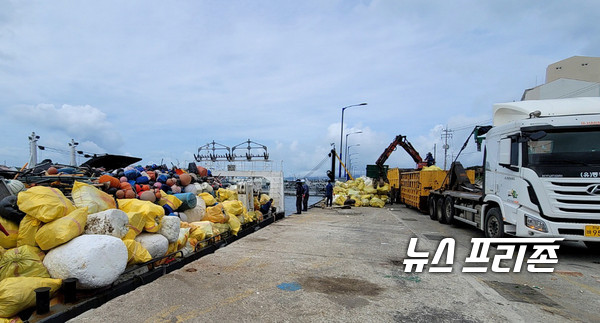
346	145
348	156
351	160
342	134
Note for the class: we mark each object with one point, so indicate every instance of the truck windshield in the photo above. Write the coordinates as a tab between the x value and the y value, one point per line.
564	148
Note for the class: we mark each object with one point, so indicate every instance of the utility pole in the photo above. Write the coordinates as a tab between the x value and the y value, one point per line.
73	144
33	150
445	135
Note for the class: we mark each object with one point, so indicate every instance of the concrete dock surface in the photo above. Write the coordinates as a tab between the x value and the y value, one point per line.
346	265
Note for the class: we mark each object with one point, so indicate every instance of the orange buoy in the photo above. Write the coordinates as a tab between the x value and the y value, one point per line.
148	196
185	179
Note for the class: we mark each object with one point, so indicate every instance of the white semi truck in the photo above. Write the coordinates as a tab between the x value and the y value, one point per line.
541	173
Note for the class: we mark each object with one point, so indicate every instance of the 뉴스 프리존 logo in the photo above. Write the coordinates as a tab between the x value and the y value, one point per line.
478	260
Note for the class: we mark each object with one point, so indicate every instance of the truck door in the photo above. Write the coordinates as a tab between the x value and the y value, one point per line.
507	176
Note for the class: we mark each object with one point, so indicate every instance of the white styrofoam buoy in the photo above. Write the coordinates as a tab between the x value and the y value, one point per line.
156	244
111	222
170	228
95	260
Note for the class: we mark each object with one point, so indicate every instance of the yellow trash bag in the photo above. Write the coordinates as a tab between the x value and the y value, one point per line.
219	228
264	198
255	216
222	195
44	203
338	190
18	293
152	213
216	214
233	195
184	234
383	190
370	190
235	225
256	203
365	202
171	249
198	233
9	241
208	199
247	216
375	202
27	230
62	230
340	199
22	261
14	319
2	251
170	200
233	208
136	253
242	219
136	225
88	195
352	191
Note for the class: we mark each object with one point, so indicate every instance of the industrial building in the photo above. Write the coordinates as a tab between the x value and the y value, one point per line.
577	76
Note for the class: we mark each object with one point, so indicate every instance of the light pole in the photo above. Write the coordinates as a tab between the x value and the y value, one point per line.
348	155
346	145
342	134
352	163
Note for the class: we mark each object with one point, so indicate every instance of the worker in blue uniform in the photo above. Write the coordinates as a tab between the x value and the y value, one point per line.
429	159
305	197
264	209
329	194
299	197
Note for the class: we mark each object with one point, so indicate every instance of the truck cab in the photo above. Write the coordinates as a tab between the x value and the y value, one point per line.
542	172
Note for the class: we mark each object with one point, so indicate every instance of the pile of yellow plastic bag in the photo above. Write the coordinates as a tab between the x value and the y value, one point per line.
362	191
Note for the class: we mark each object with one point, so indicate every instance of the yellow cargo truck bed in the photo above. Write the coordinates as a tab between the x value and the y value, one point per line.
393	176
415	186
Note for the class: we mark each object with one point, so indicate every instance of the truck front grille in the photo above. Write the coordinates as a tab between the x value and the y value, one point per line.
569	198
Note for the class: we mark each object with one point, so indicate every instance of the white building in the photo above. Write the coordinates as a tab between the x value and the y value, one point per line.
577	76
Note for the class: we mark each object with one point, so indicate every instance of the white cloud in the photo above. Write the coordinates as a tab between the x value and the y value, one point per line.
84	123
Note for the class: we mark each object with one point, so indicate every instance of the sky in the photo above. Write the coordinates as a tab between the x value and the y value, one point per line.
158	79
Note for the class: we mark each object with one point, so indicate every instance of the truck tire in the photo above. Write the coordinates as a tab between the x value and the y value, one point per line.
432	210
448	211
494	224
439	209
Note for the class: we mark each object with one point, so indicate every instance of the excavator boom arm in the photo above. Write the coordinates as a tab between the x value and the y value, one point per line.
399	141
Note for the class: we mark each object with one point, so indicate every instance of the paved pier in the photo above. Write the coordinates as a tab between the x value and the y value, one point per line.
345	265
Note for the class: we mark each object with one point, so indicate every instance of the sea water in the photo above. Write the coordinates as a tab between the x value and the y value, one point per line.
290	202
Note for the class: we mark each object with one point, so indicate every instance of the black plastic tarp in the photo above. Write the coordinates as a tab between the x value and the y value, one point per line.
109	162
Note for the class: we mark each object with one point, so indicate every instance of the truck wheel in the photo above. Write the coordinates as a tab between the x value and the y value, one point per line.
593	246
494	225
448	210
432	210
439	209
